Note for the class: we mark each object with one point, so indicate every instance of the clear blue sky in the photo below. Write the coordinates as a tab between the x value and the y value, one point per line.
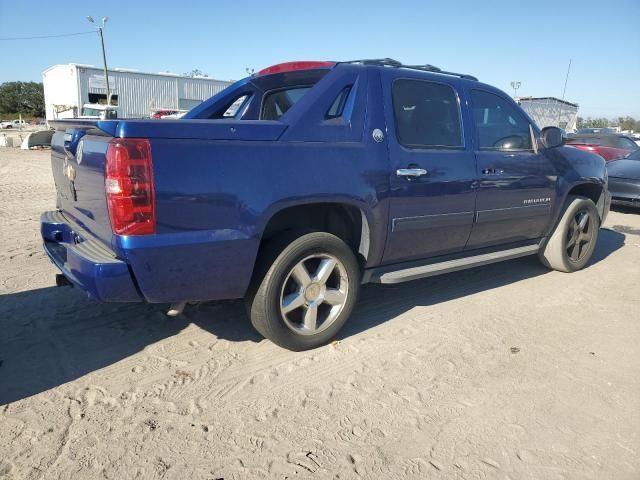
496	40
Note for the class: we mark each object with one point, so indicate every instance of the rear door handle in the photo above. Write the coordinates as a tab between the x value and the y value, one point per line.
492	171
411	172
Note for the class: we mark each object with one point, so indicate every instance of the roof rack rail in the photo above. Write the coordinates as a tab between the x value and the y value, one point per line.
390	62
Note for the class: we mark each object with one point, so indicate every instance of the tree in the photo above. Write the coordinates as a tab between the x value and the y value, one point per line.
628	123
22	97
195	73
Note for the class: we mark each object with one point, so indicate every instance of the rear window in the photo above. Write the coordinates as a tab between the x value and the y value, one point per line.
266	97
277	103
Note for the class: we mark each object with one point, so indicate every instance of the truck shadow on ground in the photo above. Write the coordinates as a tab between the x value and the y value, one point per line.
51	336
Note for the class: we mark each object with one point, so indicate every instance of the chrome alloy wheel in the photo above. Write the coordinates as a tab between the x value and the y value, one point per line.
579	236
311	302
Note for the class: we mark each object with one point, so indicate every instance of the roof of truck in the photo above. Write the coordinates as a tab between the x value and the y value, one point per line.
381	62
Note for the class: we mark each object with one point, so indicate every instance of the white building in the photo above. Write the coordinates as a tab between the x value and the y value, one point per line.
550	112
67	87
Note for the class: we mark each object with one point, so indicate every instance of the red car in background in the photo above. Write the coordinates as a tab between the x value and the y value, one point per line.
608	146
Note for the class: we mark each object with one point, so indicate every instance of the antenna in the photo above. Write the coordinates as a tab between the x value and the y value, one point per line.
566	79
564	90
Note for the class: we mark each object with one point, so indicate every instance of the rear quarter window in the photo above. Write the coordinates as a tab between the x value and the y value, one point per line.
337	107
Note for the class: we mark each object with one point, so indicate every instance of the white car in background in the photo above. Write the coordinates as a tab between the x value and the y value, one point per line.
99	111
13	124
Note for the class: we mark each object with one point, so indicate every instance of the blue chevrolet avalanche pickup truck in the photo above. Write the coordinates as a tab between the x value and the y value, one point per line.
296	185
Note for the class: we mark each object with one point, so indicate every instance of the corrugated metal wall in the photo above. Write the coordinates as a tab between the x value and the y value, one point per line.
139	93
199	89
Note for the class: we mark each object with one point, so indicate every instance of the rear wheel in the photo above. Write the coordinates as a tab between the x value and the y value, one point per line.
572	243
307	292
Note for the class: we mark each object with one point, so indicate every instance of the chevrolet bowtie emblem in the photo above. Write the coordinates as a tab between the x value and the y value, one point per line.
70	173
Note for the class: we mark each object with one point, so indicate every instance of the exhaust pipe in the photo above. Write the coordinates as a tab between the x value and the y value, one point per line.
62	281
176	309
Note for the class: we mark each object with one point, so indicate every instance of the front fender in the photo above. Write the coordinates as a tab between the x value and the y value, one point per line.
583	173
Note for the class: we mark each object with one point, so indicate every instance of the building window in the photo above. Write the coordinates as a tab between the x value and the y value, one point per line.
101	98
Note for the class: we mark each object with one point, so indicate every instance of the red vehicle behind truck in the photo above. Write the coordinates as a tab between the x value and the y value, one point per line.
608	146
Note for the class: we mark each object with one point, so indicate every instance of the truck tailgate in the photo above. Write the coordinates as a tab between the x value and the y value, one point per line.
78	167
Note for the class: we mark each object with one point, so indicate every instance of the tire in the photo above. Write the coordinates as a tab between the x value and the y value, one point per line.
573	241
299	275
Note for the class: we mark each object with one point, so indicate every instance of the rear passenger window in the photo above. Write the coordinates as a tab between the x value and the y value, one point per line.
277	103
426	114
499	125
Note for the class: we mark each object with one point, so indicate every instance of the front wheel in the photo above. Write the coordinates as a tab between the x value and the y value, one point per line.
572	243
307	293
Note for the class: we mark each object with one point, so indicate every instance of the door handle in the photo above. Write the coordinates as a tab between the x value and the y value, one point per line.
492	171
411	172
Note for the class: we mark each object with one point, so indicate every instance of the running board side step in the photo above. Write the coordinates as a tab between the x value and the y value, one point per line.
449	266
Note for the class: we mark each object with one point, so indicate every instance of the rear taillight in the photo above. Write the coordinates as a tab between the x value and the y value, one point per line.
129	186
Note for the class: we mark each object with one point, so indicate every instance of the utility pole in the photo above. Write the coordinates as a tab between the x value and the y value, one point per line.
104	55
515	85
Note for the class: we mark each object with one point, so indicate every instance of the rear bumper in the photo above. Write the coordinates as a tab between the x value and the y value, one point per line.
86	262
190	265
163	268
626	202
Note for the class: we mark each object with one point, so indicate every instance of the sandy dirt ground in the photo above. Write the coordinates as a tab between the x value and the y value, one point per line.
507	371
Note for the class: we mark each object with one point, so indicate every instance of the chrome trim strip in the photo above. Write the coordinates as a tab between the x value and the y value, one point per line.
509	213
404	224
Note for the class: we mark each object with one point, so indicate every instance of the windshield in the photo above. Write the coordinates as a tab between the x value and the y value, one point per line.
90	112
585	140
596	130
634	155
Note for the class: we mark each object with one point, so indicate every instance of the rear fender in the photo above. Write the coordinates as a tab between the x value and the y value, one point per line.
372	241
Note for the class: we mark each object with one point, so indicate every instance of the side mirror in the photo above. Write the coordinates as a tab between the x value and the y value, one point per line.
551	137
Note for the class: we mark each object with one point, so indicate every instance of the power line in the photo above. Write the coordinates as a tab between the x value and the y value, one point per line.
46	36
